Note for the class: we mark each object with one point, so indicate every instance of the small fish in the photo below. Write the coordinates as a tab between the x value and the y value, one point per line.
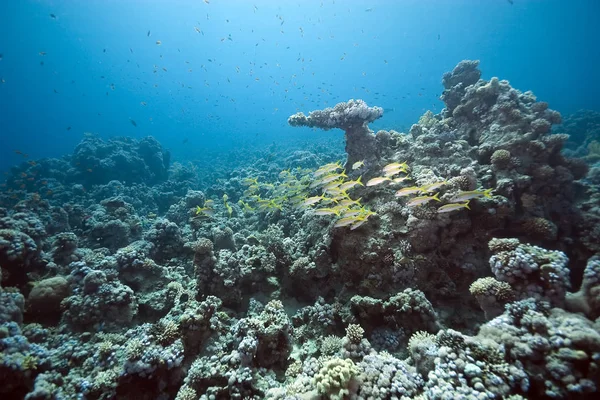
52	16
350	184
148	34
249	181
209	212
332	177
42	53
358	223
133	122
453	207
326	211
311	200
1	56
400	179
408	191
391	172
327	168
332	185
395	165
377	180
143	103
418	201
245	206
207	1
358	165
68	128
473	194
158	42
345	221
432	187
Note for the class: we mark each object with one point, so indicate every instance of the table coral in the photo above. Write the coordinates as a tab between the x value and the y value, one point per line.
352	117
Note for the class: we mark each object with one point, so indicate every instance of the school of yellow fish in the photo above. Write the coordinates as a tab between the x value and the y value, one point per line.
327	191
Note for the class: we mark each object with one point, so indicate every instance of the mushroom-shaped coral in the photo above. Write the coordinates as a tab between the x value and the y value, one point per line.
352	117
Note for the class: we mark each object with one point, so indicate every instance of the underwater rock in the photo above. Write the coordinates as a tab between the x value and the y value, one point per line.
46	295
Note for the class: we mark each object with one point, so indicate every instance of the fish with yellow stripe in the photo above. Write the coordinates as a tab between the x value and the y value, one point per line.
473	194
453	207
420	200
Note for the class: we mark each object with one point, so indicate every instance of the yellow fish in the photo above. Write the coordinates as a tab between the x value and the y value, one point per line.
350	184
345	221
327	168
400	179
332	177
358	164
250	181
377	180
473	194
395	165
358	223
391	172
347	202
312	200
326	211
453	207
433	186
408	191
418	201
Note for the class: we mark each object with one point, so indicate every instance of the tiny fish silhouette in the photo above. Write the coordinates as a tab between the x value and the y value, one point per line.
133	123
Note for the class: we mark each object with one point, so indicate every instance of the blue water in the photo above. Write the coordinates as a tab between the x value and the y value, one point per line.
283	57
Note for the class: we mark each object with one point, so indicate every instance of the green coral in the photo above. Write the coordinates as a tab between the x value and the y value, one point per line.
336	378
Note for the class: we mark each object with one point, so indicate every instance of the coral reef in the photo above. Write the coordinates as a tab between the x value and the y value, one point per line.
458	260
